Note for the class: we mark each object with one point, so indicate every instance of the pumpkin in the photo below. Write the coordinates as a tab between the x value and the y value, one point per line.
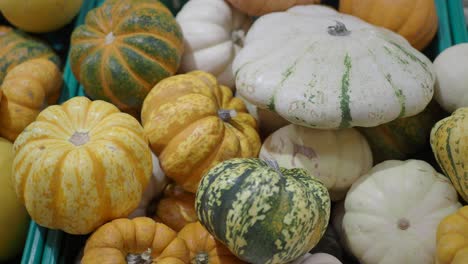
17	47
193	123
289	58
416	22
154	190
449	142
329	244
404	137
80	165
452	238
241	198
14	219
213	34
35	16
123	49
203	247
140	240
176	208
262	7
336	157
451	74
317	258
27	88
393	208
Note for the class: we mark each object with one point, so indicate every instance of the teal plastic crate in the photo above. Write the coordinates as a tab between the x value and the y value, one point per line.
49	246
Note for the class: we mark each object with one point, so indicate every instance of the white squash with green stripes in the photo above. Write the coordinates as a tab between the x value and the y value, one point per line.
320	68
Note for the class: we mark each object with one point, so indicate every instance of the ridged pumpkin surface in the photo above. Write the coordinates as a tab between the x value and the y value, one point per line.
80	165
261	213
416	20
449	142
261	7
125	48
183	120
452	238
28	88
17	47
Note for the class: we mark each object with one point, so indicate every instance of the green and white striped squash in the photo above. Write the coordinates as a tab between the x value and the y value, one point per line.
449	142
319	68
261	212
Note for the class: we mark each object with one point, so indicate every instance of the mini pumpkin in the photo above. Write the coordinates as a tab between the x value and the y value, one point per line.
140	240
203	247
123	49
449	142
415	20
81	164
193	123
27	88
452	238
176	208
261	7
317	258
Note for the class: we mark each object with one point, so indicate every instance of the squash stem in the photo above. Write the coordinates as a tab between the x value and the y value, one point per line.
226	115
201	258
338	30
143	258
273	164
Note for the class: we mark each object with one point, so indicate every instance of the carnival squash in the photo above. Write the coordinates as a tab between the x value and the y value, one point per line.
452	75
203	247
449	142
40	15
193	123
392	212
317	258
140	240
261	7
415	20
80	165
452	238
17	47
311	66
261	212
123	49
176	208
213	33
28	88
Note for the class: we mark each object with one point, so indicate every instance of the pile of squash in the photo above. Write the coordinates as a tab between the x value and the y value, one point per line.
240	131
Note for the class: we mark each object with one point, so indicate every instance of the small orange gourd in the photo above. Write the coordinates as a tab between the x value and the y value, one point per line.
452	238
140	240
262	7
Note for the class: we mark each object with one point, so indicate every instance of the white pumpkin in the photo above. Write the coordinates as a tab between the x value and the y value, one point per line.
319	68
317	258
451	90
392	213
155	188
213	34
337	157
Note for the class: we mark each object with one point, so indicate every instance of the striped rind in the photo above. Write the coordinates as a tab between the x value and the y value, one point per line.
145	47
449	142
261	215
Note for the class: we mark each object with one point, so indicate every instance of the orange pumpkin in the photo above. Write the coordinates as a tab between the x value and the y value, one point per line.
27	88
204	248
176	208
452	238
261	7
140	240
416	20
193	123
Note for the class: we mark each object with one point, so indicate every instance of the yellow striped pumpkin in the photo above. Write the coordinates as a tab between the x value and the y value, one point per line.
80	165
193	123
449	142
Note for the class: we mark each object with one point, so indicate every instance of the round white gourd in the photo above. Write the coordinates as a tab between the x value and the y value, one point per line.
337	157
213	33
158	182
451	90
392	213
317	258
319	68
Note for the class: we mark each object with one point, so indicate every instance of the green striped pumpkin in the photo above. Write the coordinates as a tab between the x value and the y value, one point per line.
17	47
449	142
263	213
125	48
402	137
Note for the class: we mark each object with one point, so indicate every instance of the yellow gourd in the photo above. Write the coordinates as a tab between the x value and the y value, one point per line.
452	238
